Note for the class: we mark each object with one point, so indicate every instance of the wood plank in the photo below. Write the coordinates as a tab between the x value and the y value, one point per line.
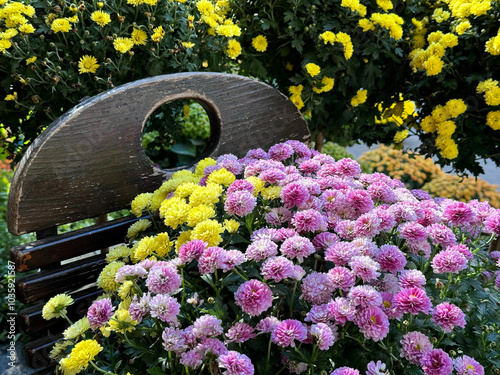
90	161
31	321
55	249
36	353
67	278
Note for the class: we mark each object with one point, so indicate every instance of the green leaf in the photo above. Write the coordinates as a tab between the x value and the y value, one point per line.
184	149
155	371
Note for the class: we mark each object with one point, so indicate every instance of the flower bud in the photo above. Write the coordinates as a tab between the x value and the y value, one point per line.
439	284
434	340
82	7
452	353
211	300
57	9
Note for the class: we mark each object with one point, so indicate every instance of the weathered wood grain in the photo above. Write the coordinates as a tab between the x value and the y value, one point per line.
91	161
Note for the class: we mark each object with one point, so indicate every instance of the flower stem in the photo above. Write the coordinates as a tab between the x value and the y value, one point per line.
293	297
100	369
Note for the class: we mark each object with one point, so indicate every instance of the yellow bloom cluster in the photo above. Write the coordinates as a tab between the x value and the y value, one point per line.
359	98
389	21
342	38
440	15
430	58
386	5
493	120
493	44
312	69
233	49
461	9
327	84
400	136
119	253
296	96
259	43
14	16
398	112
77	329
100	17
491	91
439	121
106	279
80	356
355	6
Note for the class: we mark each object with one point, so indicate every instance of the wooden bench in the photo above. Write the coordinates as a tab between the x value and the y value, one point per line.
90	162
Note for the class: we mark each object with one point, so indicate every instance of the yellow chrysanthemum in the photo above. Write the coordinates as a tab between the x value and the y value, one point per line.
456	107
446	128
140	203
328	37
233	49
56	306
271	192
366	24
162	244
385	4
124	291
80	356
449	40
231	225
139	37
296	90
440	15
158	34
59	349
435	37
493	46
401	136
428	124
145	248
123	45
87	64
209	194
202	164
257	183
60	25
433	65
492	96
106	279
100	17
26	29
312	69
138	227
122	321
440	114
77	329
118	253
493	120
174	211
11	97
449	150
208	231
188	45
327	83
462	27
205	7
222	177
435	49
359	98
259	43
185	190
346	42
486	85
200	213
31	60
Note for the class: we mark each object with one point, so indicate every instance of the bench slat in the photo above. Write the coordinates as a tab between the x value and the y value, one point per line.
36	353
31	321
66	278
55	249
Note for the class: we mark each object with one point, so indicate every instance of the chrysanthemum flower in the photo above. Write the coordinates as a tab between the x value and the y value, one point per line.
466	365
100	312
322	336
447	316
56	306
259	43
240	332
372	323
100	17
254	297
449	260
414	345
80	356
436	362
163	279
317	288
87	64
236	364
413	301
287	332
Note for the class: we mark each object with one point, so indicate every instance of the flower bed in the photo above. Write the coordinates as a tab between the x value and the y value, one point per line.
288	261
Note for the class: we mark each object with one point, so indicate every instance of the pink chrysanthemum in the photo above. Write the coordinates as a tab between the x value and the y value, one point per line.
317	288
346	229
318	314
294	194
372	323
331	199
389	307
464	250
238	185
278	216
191	250
261	249
207	326
447	316
364	296
308	221
99	313
272	175
267	324
365	246
359	200
412	231
163	279
280	151
277	269
364	267
240	332
236	364
211	346
412	279
282	234
230	163
414	345
436	362
345	371
254	297
367	225
441	235
191	359
324	240
391	258
322	336
387	220
378	368
347	168
381	192
257	153
413	301
449	260
287	332
341	278
309	166
458	213
130	272
467	366
139	308
297	247
173	341
210	259
341	310
230	259
263	233
166	308
492	223
300	148
341	253
240	203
